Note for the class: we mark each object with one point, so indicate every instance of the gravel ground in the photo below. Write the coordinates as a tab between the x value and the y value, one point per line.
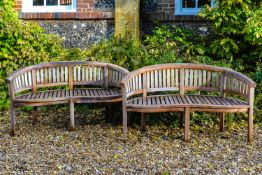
96	148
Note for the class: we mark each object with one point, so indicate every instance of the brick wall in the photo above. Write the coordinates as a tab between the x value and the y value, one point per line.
86	9
104	9
164	11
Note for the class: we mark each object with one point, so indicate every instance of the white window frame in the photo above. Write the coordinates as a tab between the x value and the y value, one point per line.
179	10
27	6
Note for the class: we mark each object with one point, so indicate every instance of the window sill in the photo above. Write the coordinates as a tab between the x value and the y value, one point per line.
66	15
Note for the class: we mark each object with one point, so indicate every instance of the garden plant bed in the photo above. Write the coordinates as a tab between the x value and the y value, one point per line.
96	147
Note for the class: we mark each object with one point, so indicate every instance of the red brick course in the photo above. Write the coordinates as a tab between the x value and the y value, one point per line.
86	10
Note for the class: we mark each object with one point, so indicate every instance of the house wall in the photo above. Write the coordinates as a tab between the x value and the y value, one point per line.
86	9
94	20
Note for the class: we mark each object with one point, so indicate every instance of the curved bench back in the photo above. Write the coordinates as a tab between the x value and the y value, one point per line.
186	77
66	74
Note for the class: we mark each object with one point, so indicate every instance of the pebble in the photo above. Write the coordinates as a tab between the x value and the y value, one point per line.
93	149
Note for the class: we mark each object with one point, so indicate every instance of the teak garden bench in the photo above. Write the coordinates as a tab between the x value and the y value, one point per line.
149	90
64	82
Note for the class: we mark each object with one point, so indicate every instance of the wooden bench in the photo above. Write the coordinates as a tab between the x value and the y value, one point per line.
151	89
64	82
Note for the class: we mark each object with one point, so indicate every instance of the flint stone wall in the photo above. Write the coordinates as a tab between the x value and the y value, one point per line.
85	33
82	34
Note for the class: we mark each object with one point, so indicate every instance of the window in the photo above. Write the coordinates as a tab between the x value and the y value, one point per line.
190	7
49	6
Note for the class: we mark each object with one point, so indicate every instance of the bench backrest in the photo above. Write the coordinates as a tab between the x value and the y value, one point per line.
186	77
66	74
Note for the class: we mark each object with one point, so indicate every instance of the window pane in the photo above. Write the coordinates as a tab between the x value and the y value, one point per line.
51	2
65	2
38	2
201	3
189	4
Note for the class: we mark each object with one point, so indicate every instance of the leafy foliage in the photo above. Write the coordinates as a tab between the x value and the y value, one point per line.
257	77
123	51
21	44
237	26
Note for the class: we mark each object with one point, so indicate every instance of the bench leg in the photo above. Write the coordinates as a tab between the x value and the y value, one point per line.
72	116
12	120
34	115
222	122
143	121
250	125
187	124
181	119
124	125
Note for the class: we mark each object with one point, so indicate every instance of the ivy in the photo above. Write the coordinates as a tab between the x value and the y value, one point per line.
21	44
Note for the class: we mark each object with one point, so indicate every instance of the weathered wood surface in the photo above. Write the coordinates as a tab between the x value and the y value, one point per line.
170	101
30	86
184	78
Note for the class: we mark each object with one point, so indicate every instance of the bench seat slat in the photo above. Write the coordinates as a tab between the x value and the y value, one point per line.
62	94
197	101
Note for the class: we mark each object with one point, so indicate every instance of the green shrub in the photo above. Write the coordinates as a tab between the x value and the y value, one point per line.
22	44
257	77
123	51
237	27
74	54
168	44
165	45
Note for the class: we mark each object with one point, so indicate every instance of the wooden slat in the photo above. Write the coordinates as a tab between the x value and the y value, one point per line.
191	77
34	87
79	77
62	71
208	78
167	100
87	73
204	78
160	80
99	73
200	78
38	81
177	77
30	78
222	85
213	79
188	99
50	75
196	99
195	78
186	77
74	73
148	80
26	79
58	75
182	90
171	100
162	100
164	78
156	78
70	78
95	74
173	78
192	99
136	83
91	73
152	80
168	78
54	75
